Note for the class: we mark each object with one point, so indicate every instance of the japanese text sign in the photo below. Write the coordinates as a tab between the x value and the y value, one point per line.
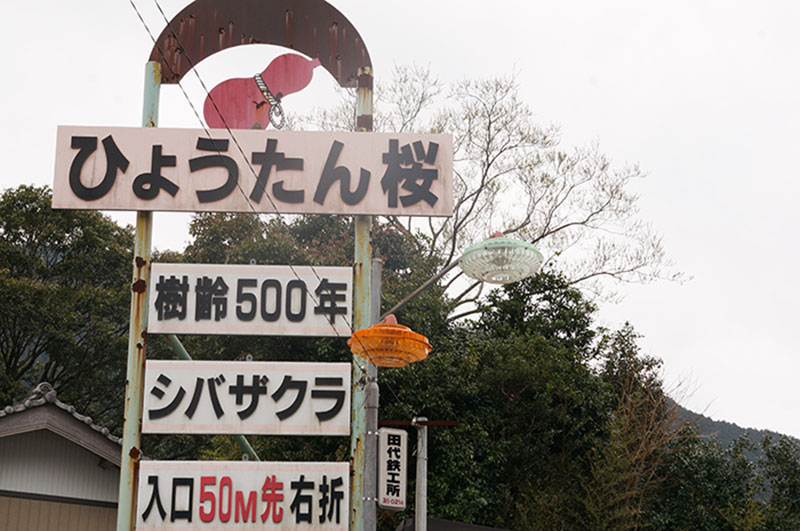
250	397
293	172
242	495
392	470
250	300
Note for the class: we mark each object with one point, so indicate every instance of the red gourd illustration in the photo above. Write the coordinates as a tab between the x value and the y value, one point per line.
245	103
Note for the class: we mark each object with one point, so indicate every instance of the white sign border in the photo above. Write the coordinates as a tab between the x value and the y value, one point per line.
199	468
383	437
359	151
317	325
339	425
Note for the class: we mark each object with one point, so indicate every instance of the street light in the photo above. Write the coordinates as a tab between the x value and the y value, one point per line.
501	260
498	260
389	344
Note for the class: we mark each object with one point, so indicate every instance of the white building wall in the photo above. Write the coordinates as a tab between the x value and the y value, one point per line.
41	462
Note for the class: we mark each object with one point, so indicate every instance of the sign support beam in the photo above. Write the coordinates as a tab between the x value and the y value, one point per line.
241	440
132	428
362	316
421	495
373	402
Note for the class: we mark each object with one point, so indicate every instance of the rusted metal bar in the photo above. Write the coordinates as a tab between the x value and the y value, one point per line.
421	494
137	332
373	403
418	422
313	27
361	319
241	440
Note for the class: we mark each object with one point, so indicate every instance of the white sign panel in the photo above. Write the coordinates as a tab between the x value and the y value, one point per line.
293	172
250	300
392	469
218	495
255	397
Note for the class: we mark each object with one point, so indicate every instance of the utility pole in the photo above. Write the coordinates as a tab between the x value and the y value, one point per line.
421	491
362	317
373	403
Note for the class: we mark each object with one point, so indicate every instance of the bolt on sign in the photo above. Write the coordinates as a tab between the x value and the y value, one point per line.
250	397
242	495
392	469
293	172
250	300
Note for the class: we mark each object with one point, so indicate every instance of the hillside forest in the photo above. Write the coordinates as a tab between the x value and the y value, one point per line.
561	424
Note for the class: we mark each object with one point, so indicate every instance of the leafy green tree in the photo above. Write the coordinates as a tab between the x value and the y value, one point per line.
781	469
535	418
529	408
561	425
64	283
623	466
706	487
542	305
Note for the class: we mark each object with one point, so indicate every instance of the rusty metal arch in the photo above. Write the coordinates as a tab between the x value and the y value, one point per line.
312	27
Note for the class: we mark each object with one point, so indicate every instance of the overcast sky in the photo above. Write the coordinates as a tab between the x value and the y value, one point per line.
702	94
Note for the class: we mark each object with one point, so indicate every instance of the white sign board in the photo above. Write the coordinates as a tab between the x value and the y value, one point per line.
255	397
250	300
392	469
242	495
293	172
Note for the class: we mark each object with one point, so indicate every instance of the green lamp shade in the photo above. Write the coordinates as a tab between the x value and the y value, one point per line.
501	260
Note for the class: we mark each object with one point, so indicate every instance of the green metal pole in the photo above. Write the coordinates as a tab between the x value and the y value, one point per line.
373	400
134	384
361	319
241	440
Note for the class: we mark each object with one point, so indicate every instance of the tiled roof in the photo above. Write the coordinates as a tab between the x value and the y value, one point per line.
45	394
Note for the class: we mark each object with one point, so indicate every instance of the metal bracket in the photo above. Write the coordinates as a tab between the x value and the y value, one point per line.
276	116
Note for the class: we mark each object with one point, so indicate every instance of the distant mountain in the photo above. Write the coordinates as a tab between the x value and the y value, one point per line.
726	432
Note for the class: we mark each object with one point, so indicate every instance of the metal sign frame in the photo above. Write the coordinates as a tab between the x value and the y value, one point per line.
361	75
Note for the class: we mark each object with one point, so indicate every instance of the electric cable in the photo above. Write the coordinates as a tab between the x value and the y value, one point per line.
277	212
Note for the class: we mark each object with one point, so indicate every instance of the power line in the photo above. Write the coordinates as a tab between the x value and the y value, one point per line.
241	151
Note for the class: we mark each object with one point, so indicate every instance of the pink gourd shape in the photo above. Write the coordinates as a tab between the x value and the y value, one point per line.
240	101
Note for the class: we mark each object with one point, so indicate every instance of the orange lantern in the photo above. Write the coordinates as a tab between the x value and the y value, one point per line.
389	344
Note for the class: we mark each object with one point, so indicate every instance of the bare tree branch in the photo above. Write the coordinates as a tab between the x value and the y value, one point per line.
513	173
